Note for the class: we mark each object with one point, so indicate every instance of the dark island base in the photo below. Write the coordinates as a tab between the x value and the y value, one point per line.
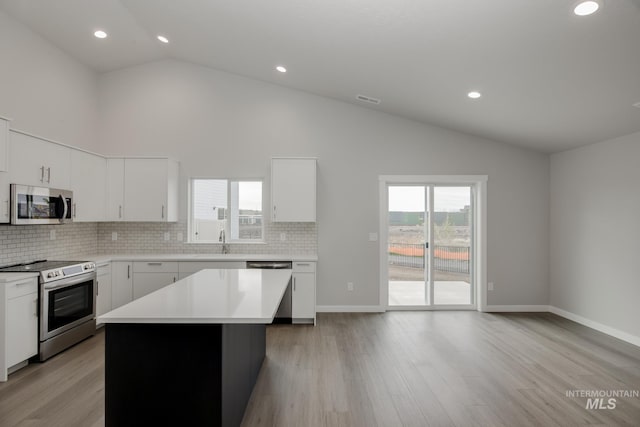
180	374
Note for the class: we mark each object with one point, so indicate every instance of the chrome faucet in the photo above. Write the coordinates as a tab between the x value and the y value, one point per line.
222	238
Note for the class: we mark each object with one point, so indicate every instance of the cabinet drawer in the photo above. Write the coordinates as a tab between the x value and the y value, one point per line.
103	269
21	287
155	267
304	267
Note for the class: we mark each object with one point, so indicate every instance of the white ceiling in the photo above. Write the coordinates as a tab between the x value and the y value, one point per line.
550	80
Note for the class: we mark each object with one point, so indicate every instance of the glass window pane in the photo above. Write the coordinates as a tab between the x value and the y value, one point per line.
209	209
247	225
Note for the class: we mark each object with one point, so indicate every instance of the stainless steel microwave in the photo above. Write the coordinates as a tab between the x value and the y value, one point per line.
40	205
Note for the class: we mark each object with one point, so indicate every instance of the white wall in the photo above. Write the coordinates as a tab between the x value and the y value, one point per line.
220	125
595	233
44	90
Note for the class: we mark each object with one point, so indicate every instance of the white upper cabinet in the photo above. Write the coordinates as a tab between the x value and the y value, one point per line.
37	162
88	182
5	196
115	190
293	190
4	176
4	144
150	190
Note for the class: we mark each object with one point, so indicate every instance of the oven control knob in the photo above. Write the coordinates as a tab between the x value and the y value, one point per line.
50	275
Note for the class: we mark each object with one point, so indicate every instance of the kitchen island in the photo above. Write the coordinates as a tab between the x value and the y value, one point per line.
190	353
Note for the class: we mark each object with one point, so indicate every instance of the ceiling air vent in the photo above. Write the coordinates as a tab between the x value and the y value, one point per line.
368	99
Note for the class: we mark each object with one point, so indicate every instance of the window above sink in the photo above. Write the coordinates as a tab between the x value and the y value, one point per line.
225	210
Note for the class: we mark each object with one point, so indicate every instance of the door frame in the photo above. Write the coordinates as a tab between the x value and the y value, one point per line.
479	188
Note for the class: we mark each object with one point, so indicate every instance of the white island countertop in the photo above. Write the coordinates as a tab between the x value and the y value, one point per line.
209	296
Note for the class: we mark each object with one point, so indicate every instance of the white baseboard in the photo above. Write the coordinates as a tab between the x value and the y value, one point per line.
516	308
624	336
349	309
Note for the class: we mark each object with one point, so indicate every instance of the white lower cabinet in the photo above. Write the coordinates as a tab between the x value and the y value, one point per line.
121	283
103	290
303	296
20	330
149	276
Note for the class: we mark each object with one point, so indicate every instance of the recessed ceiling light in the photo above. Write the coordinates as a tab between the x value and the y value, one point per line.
163	39
585	8
474	94
281	69
100	34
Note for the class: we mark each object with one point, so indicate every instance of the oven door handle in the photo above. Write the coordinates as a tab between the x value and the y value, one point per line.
68	282
52	287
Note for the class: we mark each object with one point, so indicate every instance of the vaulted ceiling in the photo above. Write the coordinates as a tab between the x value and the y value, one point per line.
550	80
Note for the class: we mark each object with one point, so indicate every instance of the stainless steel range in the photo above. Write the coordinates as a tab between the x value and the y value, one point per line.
67	296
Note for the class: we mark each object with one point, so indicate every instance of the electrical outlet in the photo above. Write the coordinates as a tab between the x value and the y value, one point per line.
350	286
179	237
490	286
283	237
114	236
52	235
167	236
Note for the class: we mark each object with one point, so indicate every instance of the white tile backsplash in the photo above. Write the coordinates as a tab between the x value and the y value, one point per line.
33	242
149	237
76	241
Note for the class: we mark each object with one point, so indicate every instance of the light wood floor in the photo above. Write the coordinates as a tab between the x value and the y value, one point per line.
393	369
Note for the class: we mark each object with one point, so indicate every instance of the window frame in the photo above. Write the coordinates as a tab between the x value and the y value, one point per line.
227	225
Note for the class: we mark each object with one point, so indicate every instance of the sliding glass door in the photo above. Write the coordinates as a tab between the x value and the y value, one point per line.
430	246
408	234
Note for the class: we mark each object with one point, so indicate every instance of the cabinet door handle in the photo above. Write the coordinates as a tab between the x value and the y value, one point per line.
75	210
35	307
294	284
97	288
274	212
48	175
303	264
120	212
7	211
174	279
128	271
162	211
26	282
42	174
154	263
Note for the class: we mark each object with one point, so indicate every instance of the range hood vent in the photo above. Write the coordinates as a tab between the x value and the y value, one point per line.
368	99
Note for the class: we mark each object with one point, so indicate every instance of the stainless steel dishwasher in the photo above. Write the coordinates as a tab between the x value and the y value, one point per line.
283	315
